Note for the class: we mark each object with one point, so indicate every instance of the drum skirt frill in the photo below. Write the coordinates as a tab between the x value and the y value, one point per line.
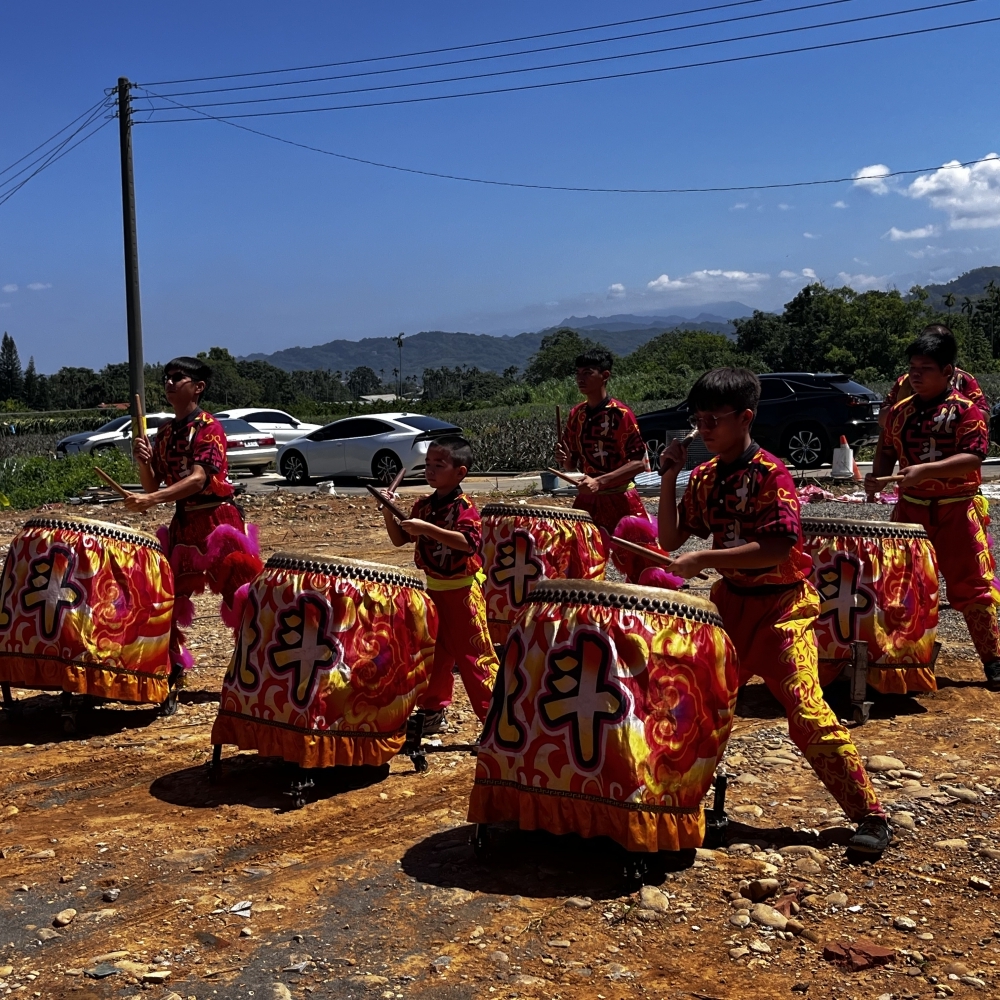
611	711
86	607
329	661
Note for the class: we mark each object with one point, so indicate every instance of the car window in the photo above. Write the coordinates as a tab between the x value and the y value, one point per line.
233	426
366	427
269	417
774	388
157	421
853	388
113	425
426	423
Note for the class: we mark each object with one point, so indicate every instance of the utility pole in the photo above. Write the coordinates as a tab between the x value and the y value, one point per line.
399	344
133	313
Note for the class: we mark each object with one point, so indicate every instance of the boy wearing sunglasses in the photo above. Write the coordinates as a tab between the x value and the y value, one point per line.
745	501
207	542
602	440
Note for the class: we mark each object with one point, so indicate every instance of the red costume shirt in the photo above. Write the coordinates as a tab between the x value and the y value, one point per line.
927	432
962	381
741	501
455	512
604	438
197	439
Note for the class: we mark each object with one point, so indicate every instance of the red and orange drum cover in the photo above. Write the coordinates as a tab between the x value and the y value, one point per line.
86	607
329	661
524	545
877	583
611	711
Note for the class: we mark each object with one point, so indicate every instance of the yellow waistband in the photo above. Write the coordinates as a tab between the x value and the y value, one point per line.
616	489
433	583
927	501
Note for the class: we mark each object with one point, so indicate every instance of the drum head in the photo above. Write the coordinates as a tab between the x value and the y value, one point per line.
103	529
861	529
355	569
627	596
539	511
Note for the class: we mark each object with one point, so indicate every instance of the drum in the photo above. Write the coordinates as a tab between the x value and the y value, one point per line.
86	607
878	583
610	713
524	545
330	658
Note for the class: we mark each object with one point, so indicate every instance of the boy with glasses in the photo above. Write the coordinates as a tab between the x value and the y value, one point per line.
601	439
940	438
745	501
207	542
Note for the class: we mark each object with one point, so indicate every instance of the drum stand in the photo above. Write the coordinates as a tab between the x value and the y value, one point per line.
12	708
857	675
71	708
716	819
417	751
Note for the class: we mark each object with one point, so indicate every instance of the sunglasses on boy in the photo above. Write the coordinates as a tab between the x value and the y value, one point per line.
708	422
175	378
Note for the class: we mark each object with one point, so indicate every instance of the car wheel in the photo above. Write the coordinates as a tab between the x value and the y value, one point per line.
257	470
806	447
385	467
294	469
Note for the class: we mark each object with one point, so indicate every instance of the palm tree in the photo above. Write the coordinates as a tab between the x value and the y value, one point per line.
949	301
399	344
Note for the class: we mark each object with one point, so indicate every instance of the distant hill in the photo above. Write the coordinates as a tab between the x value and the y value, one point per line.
972	284
437	348
716	317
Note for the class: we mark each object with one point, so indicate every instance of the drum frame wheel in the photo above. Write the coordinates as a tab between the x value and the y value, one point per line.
716	819
174	684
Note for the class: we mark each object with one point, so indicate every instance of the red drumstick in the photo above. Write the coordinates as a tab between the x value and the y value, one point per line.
654	555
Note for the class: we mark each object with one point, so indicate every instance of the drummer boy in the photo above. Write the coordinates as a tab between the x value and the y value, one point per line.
745	500
940	438
449	534
601	439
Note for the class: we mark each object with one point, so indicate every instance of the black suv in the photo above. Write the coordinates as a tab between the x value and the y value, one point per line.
800	418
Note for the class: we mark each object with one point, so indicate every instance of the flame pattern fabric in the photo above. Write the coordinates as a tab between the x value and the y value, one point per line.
86	607
522	546
611	711
877	583
330	659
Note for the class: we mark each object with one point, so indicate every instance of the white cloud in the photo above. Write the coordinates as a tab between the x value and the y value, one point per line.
839	204
810	236
712	279
922	233
784	207
739	205
874	178
808	272
616	291
789	274
970	195
861	282
37	286
10	288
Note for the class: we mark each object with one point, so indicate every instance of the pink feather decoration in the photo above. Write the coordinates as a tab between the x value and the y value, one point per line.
657	576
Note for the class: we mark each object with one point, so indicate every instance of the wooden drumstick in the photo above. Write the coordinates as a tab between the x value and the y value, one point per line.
395	483
563	475
558	424
663	558
889	479
117	487
388	504
140	416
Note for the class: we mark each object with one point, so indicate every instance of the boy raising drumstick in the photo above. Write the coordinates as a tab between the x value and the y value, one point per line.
207	542
602	440
744	499
449	533
939	437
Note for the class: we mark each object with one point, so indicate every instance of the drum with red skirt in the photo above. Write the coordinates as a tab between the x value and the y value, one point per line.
611	711
330	657
878	583
524	545
85	608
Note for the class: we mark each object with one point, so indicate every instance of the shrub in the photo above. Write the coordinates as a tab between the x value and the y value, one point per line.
31	482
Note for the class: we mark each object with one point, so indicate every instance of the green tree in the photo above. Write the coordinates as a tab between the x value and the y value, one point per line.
556	356
11	375
363	381
33	384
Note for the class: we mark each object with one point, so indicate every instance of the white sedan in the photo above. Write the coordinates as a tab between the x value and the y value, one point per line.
281	426
370	447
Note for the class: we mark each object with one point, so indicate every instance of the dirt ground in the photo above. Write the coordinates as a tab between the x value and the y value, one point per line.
372	889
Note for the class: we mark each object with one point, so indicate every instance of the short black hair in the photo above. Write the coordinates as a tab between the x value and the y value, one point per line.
194	368
597	357
937	342
457	447
735	387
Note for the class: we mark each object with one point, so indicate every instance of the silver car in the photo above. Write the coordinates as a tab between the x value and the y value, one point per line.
281	426
114	434
247	447
374	447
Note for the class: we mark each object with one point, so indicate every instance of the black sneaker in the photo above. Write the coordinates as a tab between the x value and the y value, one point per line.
433	722
992	671
873	835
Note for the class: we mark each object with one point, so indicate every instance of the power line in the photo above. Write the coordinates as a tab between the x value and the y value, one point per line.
51	137
518	53
456	48
708	43
569	188
729	60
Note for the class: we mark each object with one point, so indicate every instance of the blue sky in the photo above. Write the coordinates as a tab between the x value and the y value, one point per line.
256	246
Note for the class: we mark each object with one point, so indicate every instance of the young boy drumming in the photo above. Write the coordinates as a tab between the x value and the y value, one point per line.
940	438
207	542
744	499
449	534
601	439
